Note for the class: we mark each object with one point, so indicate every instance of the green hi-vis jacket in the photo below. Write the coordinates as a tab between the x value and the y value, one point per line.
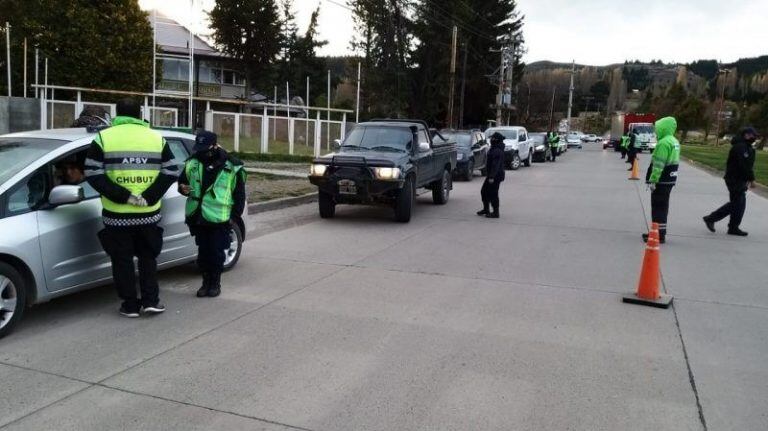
625	141
218	199
553	139
132	159
666	156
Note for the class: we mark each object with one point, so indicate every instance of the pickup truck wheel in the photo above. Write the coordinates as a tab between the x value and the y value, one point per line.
515	163
12	298
326	205
527	161
404	202
442	189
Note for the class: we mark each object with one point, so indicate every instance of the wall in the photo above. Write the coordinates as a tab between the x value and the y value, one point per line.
18	114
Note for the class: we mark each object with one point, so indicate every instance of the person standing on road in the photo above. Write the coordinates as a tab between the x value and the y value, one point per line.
495	175
132	167
554	142
623	145
632	149
739	177
214	183
662	173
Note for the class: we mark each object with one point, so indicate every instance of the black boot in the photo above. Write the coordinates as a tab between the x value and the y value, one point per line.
214	288
709	223
483	212
494	214
203	290
736	231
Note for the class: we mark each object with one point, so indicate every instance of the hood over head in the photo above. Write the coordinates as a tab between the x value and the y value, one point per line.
665	127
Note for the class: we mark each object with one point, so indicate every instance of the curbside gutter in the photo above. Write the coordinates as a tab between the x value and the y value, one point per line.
277	204
759	189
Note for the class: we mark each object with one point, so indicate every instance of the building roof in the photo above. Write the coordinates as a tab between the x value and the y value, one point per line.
173	38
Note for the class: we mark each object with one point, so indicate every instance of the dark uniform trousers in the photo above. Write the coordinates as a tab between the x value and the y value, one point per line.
660	206
553	153
631	156
122	244
212	243
736	206
489	193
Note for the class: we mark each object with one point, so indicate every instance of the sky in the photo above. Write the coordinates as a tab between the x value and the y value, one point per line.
594	32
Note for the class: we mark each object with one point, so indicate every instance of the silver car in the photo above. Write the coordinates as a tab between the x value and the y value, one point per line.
48	242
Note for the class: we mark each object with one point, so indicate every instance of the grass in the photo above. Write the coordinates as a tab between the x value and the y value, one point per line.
277	147
265	187
269	157
715	157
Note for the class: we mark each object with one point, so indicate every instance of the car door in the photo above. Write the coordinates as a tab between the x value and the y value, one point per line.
425	158
70	249
178	244
524	146
480	150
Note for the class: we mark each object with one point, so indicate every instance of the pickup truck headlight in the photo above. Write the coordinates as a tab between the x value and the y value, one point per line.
540	148
459	156
387	173
317	170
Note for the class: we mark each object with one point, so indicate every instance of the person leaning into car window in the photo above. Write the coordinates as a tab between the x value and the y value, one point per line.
72	172
495	175
214	183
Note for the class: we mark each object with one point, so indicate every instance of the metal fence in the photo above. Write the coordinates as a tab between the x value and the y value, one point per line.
265	133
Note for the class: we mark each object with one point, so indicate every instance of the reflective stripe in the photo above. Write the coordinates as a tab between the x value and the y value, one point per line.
132	167
128	154
94	172
94	163
169	163
173	173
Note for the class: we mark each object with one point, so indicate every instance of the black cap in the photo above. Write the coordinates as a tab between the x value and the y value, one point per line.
204	140
497	137
128	108
749	130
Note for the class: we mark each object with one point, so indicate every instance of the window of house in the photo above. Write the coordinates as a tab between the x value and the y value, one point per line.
175	70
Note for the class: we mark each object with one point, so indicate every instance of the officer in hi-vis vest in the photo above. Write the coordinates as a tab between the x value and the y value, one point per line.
131	166
214	183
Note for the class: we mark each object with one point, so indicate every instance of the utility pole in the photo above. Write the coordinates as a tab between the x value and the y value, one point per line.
357	105
570	99
722	102
463	86
8	53
552	107
452	90
499	98
25	67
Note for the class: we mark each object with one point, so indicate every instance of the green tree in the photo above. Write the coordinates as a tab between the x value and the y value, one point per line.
108	45
690	115
249	31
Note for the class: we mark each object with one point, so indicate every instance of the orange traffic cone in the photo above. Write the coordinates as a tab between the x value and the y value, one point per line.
654	232
635	170
648	287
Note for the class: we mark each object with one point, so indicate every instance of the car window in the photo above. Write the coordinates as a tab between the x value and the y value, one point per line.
179	151
31	193
70	170
507	133
423	136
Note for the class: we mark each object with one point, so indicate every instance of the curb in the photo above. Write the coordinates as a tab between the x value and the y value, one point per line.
759	189
278	204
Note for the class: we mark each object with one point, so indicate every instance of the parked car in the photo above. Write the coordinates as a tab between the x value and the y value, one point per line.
49	246
517	145
589	138
541	148
573	139
472	151
384	162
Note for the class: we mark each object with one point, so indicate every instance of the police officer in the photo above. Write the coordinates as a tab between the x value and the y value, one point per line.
214	183
623	145
554	141
662	173
632	149
739	176
494	176
131	166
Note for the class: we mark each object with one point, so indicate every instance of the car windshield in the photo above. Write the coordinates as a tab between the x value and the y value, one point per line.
644	128
379	138
462	139
508	133
538	138
18	153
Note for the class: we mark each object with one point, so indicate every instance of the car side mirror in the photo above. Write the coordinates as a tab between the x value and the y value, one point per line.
424	147
521	138
336	144
62	195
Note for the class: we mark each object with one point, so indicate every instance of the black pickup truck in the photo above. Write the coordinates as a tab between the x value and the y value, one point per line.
384	162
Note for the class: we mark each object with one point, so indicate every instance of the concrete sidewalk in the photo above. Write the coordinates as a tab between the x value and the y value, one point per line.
450	322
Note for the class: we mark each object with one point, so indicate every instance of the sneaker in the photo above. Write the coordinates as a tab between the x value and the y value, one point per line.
127	311
153	309
214	291
482	212
737	232
710	224
492	215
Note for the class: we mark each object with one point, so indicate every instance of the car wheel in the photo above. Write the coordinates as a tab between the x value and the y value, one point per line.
515	163
528	160
326	205
232	254
13	298
470	170
441	189
404	202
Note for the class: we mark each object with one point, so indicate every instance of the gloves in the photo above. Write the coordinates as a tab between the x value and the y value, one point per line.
490	180
651	186
138	201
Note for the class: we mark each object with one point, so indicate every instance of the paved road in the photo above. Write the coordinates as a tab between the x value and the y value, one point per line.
451	322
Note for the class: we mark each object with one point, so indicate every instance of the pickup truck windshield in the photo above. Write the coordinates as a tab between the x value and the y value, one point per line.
508	134
18	153
462	139
644	128
378	138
